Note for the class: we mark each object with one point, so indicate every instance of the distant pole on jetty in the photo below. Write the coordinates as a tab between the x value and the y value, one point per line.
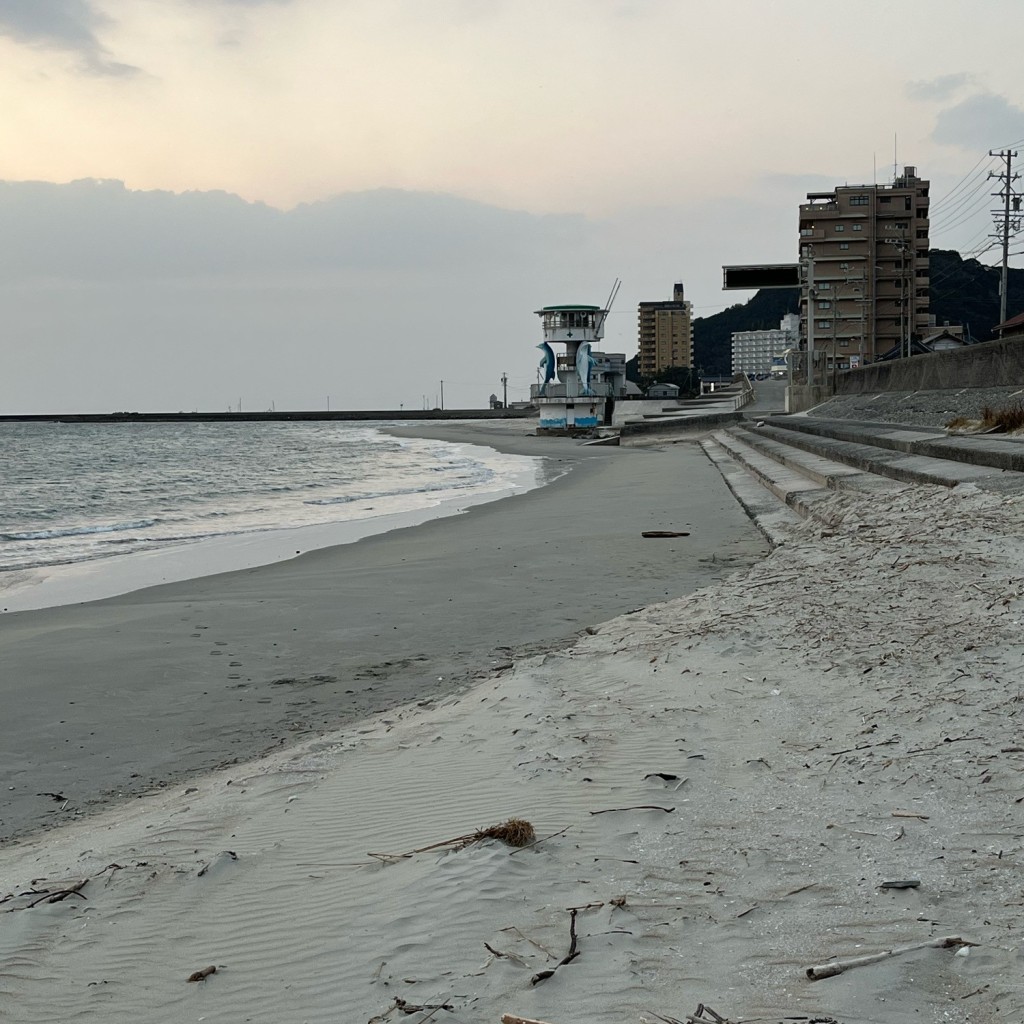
504	384
442	396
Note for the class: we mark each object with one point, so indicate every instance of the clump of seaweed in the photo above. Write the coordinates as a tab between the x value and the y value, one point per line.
513	832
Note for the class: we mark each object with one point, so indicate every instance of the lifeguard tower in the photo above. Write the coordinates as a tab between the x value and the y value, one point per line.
576	386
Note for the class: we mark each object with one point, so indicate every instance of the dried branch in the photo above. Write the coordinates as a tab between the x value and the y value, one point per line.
834	967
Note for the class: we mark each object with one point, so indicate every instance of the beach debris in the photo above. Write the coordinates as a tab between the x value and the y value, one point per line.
901	883
52	895
497	954
203	974
636	807
568	958
705	1015
404	1006
56	797
835	967
537	842
513	1018
513	832
665	533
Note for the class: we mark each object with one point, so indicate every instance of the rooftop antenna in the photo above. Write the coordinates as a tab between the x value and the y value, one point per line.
895	161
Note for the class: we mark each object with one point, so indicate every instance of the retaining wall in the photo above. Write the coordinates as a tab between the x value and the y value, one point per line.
988	365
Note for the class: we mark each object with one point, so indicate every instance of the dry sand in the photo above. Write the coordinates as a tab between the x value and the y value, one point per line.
727	779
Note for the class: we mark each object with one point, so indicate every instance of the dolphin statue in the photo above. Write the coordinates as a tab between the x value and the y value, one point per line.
547	364
585	362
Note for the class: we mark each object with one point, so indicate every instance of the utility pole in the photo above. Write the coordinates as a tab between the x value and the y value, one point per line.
1007	194
442	396
504	384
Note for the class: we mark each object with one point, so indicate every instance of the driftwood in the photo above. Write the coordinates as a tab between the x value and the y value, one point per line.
511	1018
203	974
834	967
568	958
636	807
60	894
664	533
705	1015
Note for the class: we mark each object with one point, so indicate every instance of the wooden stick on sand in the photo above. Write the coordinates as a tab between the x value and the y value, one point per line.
834	967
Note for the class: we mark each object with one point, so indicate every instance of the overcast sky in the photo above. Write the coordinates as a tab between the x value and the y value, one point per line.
276	201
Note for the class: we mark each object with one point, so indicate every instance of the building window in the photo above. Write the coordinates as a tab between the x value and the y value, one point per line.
824	305
857	227
885	199
858	200
824	324
844	245
840	227
825	286
804	232
922	233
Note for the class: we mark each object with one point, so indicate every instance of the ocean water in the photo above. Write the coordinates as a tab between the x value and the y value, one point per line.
100	495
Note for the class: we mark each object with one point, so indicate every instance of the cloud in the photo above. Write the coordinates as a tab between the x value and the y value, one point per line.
50	230
980	122
939	89
69	25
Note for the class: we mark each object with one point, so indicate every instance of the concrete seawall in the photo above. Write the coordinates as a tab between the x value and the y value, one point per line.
988	365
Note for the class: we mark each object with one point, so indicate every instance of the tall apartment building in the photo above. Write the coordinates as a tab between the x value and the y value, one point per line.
665	333
753	351
864	260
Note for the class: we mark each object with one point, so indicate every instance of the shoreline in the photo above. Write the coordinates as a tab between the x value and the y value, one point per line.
49	586
722	784
117	697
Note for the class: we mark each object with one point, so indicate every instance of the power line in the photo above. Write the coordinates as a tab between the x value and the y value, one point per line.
959	215
939	203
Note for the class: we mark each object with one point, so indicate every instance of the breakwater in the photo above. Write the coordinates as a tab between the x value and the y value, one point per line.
268	416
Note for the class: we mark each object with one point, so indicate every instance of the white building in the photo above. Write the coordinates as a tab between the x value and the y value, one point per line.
753	351
579	387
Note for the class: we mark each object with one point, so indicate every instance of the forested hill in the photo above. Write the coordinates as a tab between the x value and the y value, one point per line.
962	292
712	335
967	292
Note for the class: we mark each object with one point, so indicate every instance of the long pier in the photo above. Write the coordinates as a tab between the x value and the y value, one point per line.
267	417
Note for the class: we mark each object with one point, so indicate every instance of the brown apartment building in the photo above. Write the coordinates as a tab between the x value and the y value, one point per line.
665	332
864	259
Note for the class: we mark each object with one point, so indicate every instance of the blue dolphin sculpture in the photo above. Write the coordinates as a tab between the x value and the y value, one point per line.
585	362
547	364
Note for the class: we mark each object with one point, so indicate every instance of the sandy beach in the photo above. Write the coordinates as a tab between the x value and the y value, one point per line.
110	699
725	784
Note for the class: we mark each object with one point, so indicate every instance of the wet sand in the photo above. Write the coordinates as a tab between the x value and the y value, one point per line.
107	700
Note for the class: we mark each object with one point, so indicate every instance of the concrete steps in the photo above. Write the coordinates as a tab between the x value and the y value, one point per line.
784	470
